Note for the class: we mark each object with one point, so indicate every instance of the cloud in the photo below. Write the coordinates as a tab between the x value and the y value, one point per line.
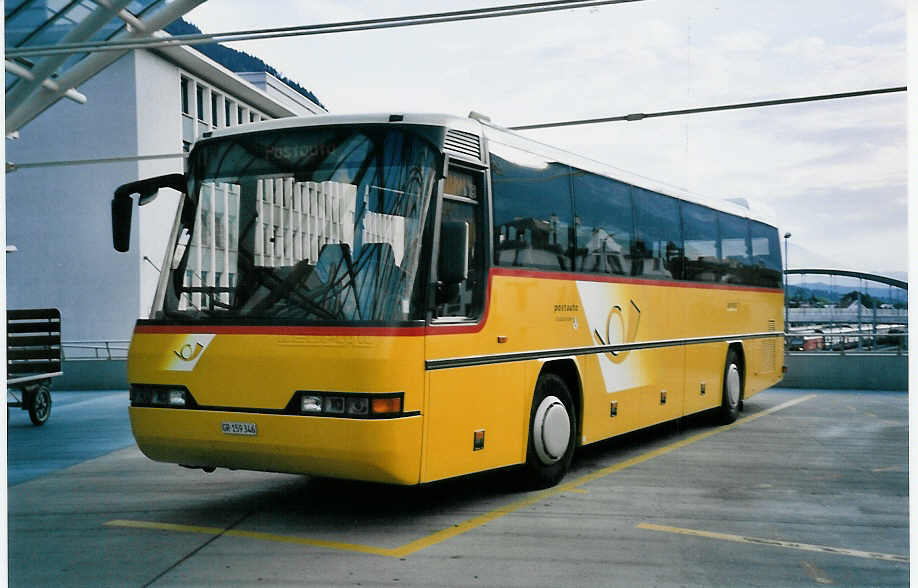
823	166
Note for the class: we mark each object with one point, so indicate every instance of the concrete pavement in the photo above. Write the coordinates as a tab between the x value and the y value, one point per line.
807	489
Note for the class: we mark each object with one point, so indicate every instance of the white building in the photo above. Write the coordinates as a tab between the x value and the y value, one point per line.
147	103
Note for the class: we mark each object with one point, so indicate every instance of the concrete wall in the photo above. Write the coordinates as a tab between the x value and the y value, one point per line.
92	374
851	371
159	131
59	217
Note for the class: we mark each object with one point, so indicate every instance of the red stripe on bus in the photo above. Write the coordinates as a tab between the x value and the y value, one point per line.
278	330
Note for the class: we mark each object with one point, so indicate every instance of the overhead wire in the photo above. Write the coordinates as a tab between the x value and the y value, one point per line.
10	167
319	29
641	116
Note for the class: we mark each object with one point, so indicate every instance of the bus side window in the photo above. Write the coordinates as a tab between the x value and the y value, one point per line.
702	256
735	248
657	250
461	202
603	224
765	253
533	213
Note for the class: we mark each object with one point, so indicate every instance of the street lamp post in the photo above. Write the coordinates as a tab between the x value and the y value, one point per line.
786	266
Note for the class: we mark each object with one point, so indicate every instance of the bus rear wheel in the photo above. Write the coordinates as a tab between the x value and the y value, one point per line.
552	432
733	388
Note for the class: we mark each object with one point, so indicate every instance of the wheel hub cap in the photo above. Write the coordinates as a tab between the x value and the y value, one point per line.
551	430
733	385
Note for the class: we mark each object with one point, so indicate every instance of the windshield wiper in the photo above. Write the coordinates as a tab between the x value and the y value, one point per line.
210	293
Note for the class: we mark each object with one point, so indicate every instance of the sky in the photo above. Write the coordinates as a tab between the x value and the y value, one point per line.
834	173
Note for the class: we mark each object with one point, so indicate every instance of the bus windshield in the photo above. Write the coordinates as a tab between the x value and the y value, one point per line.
303	225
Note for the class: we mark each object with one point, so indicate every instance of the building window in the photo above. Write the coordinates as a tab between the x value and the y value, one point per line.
186	104
200	93
227	110
213	108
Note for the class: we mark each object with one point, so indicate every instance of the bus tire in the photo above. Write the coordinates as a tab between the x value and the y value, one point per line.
733	389
40	405
552	432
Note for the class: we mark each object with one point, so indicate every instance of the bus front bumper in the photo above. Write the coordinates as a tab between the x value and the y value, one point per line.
376	450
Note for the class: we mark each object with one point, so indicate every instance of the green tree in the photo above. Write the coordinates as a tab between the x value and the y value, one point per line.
851	297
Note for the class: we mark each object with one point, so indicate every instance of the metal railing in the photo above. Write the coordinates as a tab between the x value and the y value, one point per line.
94	350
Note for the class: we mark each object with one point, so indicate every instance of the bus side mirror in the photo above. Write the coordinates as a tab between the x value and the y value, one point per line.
122	205
453	265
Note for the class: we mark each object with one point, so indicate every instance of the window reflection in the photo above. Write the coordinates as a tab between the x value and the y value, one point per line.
657	236
533	218
603	224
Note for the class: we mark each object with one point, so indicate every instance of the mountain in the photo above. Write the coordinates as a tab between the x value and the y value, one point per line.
233	60
835	292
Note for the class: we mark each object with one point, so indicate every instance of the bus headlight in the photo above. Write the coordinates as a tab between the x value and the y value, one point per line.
160	396
176	398
310	403
334	404
347	405
358	405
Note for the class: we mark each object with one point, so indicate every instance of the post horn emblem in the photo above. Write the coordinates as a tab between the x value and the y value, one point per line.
189	351
616	330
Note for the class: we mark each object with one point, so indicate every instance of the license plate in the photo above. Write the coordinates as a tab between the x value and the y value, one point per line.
231	428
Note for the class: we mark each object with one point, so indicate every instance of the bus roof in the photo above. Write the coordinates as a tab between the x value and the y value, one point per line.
493	132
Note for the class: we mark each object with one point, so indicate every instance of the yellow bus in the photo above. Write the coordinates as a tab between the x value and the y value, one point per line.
406	298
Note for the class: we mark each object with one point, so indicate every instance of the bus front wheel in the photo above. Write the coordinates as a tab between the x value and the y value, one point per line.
733	388
552	432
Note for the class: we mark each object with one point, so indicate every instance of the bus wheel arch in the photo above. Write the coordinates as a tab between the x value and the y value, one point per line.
740	351
568	371
734	383
554	424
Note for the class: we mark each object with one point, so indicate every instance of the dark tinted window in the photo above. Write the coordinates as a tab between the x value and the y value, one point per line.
532	210
603	224
766	255
463	299
200	94
702	260
734	249
657	236
186	106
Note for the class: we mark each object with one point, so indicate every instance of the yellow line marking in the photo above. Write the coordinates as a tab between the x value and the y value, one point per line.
251	535
474	522
579	491
777	543
816	574
895	468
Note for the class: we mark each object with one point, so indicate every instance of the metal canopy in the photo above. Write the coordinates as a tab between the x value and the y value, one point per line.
32	85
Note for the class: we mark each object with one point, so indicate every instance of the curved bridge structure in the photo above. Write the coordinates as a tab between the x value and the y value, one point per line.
850	274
